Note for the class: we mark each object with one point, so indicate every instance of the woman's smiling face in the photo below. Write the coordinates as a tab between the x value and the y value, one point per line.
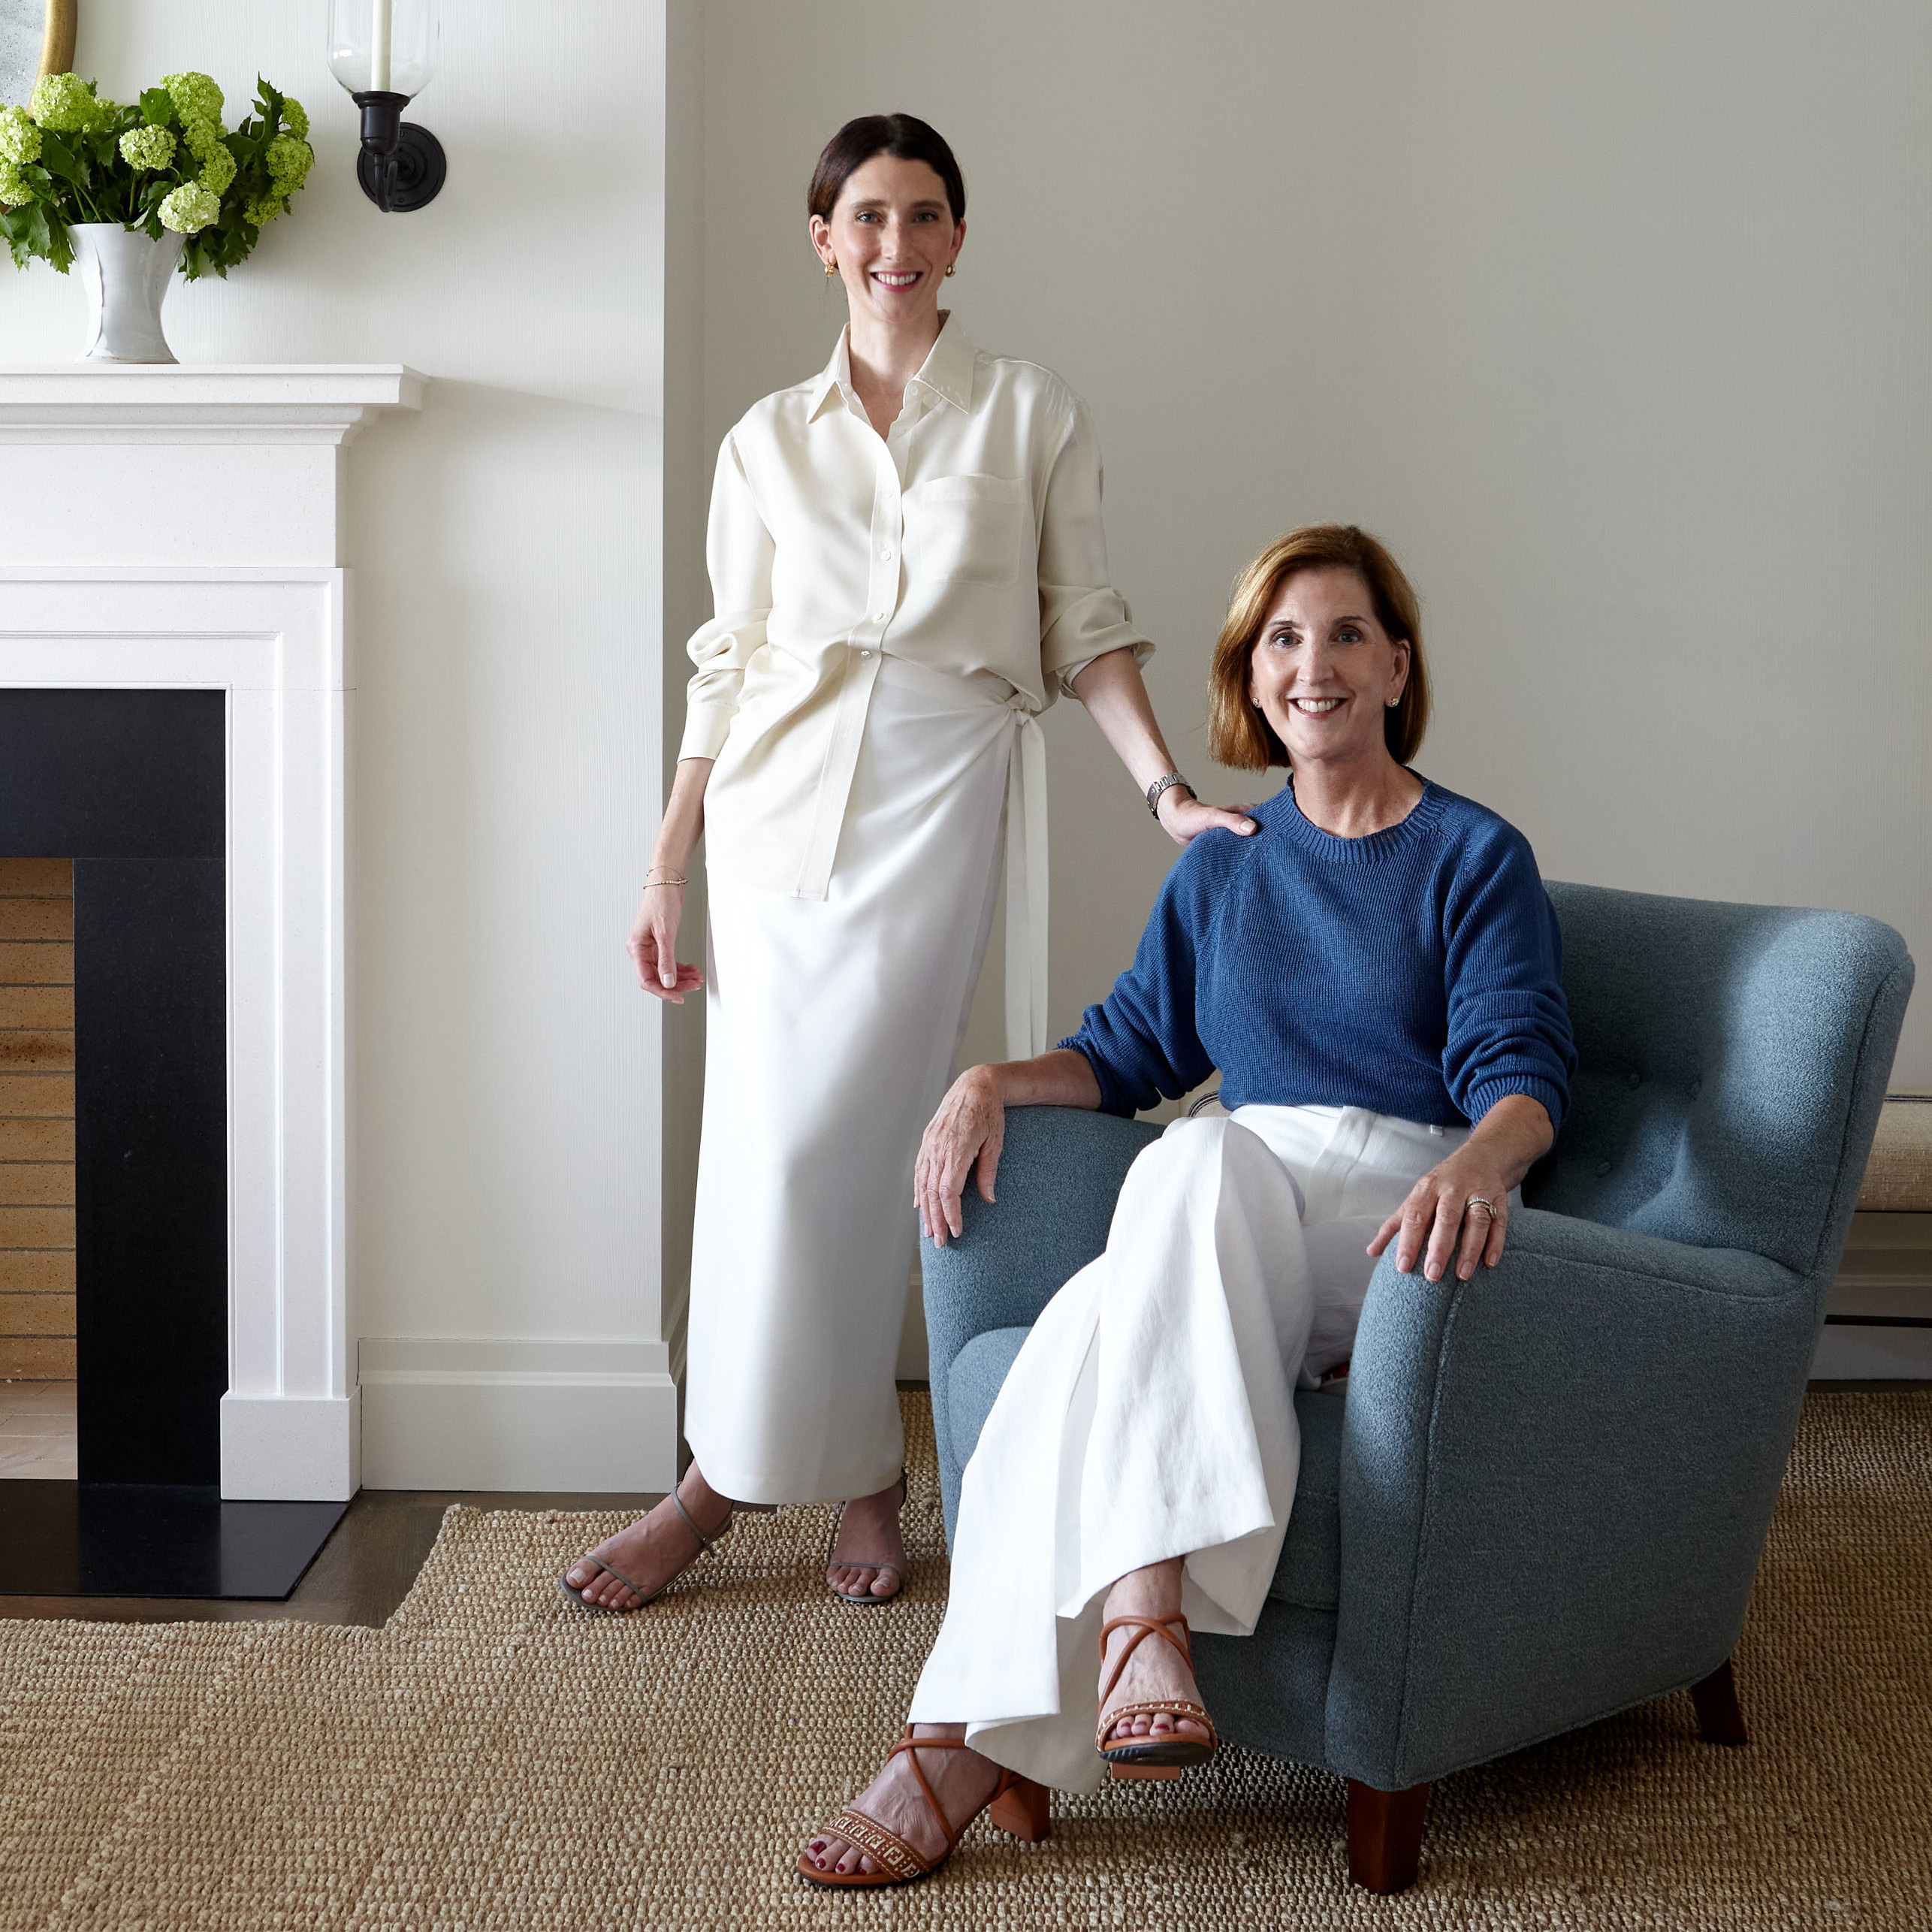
893	236
1323	670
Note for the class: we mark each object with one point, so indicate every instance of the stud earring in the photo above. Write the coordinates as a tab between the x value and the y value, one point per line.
831	269
952	268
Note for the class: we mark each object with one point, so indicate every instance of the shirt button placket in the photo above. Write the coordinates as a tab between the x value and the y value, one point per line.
888	536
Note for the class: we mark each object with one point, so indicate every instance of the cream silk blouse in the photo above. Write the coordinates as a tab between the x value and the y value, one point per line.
968	539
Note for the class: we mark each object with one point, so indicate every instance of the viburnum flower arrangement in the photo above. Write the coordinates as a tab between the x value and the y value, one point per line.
166	165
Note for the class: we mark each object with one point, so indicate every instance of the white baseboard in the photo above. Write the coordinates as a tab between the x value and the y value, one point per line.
452	1413
1870	1355
290	1448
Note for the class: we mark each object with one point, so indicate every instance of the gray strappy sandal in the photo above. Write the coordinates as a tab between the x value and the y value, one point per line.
704	1546
867	1600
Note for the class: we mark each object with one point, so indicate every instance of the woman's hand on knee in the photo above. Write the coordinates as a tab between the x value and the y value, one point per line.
1444	1222
969	1126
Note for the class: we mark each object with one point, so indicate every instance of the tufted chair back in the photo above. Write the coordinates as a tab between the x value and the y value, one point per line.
1717	1088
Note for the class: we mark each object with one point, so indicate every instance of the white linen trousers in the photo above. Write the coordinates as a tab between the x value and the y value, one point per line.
1151	1413
832	1026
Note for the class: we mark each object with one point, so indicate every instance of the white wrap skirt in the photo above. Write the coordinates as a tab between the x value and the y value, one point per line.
1151	1413
832	1028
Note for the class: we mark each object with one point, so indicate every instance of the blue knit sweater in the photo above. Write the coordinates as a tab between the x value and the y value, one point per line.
1416	972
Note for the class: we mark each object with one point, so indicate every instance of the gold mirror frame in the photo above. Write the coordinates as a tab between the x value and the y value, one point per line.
57	47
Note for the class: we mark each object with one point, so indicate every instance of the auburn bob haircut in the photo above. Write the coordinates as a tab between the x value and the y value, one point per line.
1238	735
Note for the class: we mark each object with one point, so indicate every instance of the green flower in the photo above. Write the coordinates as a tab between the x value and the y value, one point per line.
20	139
200	135
218	170
288	162
146	147
63	104
295	119
261	212
15	191
195	96
190	209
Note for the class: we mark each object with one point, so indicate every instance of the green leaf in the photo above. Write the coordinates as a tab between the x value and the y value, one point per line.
13	226
158	108
30	234
58	159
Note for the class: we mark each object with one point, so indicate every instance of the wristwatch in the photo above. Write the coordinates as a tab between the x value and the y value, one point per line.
1161	785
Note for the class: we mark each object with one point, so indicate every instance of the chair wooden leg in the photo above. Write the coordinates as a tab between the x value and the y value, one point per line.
1718	1716
1385	1835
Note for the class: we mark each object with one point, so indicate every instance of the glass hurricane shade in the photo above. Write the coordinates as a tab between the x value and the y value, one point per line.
384	46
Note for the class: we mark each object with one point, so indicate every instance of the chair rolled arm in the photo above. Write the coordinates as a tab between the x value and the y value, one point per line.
1555	1481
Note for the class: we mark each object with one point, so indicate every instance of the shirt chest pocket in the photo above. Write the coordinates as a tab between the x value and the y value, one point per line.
967	529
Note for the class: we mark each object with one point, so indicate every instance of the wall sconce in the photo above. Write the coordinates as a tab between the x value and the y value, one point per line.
384	52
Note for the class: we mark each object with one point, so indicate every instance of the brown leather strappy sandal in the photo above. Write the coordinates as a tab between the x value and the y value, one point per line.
704	1546
1151	1757
1018	1807
868	1600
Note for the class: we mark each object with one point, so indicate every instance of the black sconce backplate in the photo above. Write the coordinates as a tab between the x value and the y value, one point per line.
401	166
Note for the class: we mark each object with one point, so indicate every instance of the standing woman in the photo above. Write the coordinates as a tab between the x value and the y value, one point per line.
908	566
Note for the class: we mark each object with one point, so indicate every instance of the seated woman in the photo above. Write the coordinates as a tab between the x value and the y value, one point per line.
1378	967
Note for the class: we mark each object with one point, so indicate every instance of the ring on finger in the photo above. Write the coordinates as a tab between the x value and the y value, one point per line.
1489	1207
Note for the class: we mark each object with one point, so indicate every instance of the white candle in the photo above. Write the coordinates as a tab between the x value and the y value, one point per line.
379	47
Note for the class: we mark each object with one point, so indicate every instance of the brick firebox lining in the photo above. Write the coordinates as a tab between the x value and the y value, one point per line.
37	1119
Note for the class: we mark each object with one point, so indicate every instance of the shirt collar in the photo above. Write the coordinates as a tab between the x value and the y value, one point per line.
948	369
947	374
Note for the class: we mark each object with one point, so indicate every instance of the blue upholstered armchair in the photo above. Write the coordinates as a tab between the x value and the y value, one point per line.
1543	1495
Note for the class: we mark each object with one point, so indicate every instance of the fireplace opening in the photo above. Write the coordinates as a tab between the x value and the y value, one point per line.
124	938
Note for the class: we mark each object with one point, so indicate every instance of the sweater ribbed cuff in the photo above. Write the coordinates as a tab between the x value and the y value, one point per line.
1486	1093
1112	1100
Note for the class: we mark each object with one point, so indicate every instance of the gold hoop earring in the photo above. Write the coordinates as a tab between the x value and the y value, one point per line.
831	269
951	269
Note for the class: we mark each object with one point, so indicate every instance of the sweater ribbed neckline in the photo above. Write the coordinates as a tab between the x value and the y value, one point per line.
1423	817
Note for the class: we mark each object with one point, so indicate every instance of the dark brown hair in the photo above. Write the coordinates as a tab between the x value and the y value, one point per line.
1238	734
905	137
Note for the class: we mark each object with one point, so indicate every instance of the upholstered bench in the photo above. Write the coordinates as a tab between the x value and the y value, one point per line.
1878	1322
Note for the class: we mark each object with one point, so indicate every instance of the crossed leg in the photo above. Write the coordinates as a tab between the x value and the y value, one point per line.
963	1781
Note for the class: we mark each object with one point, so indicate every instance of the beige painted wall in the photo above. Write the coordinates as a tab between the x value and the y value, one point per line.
1614	322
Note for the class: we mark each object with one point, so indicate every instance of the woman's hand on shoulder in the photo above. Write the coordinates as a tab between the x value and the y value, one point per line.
653	947
970	1126
1184	817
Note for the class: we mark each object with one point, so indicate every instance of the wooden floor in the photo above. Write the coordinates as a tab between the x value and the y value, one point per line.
363	1571
366	1567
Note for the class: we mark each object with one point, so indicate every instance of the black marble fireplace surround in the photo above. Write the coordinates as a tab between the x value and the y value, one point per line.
131	786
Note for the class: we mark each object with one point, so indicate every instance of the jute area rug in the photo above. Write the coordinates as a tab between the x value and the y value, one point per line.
492	1759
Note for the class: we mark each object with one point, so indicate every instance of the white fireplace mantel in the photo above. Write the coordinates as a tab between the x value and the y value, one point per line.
210	465
179	527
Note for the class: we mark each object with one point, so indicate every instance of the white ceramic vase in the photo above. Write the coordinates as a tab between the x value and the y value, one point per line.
127	275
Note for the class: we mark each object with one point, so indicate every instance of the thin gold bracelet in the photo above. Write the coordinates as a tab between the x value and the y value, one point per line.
676	879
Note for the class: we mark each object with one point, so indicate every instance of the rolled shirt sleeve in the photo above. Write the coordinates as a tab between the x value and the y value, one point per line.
738	551
1082	615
